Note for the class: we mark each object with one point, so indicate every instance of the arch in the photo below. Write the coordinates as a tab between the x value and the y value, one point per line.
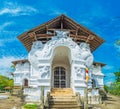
61	60
60	52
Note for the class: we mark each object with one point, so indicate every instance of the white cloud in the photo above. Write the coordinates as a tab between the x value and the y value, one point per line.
108	67
5	64
15	9
53	11
7	36
117	47
2	26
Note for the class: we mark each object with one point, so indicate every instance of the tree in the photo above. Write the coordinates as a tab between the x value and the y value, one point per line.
106	88
118	42
117	75
5	82
114	88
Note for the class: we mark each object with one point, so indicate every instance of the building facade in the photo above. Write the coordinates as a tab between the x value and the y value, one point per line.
59	52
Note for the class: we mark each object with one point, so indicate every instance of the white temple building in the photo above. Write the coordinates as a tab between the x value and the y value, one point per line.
59	51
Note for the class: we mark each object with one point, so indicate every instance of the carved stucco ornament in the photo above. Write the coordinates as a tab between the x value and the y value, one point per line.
41	51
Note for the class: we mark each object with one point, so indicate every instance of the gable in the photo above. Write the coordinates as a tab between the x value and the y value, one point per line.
45	31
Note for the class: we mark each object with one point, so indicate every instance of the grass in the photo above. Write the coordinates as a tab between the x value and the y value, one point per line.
30	106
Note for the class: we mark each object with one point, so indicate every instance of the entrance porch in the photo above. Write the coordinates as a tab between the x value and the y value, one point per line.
61	72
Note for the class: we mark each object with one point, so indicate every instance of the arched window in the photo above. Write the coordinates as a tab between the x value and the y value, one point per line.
26	82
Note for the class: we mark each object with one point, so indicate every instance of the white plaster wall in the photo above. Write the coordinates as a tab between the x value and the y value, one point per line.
97	75
41	56
22	72
32	94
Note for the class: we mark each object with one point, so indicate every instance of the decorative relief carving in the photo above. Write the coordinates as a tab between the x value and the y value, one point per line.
80	72
37	45
44	71
40	51
84	53
62	38
61	34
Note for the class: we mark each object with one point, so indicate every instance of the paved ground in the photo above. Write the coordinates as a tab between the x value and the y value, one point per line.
112	102
11	102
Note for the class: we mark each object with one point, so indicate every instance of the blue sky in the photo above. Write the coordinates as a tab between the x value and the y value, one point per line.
100	16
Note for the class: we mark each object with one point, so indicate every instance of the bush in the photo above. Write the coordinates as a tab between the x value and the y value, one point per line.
30	106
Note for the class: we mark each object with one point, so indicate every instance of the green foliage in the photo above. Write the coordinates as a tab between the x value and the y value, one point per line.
114	88
118	42
106	88
30	106
117	75
5	82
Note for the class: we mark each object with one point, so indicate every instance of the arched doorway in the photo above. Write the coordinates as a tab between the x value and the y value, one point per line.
59	77
61	71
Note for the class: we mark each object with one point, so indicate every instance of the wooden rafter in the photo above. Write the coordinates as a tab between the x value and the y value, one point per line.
77	32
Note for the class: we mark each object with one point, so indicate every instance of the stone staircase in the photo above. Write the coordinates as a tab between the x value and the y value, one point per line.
17	90
63	98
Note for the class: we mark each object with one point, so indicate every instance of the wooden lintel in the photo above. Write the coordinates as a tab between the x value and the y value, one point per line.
78	36
46	36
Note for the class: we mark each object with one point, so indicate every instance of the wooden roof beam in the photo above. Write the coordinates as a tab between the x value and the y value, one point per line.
61	22
90	38
32	35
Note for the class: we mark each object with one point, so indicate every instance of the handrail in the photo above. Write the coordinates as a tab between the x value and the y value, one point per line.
42	97
78	99
47	100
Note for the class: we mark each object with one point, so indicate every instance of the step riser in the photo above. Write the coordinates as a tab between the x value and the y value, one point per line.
62	99
65	108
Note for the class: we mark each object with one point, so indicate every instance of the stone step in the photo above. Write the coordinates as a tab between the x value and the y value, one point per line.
61	90
63	99
62	95
17	87
63	106
63	103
